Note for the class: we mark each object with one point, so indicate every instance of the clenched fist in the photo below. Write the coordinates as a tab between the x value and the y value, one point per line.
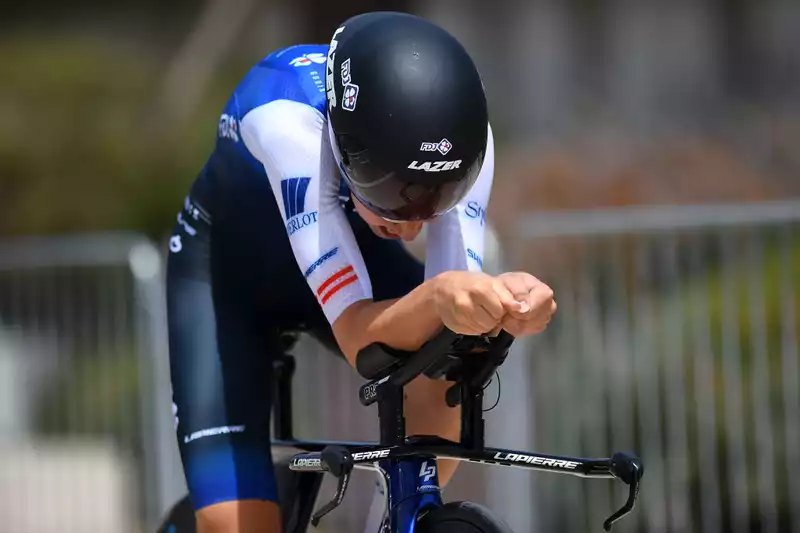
536	303
474	303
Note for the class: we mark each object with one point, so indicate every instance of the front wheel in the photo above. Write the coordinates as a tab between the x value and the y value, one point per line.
461	517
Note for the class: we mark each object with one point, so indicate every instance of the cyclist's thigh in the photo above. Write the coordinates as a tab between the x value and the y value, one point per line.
221	378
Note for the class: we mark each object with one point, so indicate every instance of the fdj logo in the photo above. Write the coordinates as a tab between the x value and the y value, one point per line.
346	72
228	128
474	210
307	59
350	97
294	192
442	147
427	471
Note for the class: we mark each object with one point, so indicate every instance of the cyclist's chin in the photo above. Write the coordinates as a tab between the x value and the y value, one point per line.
406	231
383	233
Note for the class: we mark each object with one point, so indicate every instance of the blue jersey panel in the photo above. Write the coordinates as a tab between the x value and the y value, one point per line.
295	73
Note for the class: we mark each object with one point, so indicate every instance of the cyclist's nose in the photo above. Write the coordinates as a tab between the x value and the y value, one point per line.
407	231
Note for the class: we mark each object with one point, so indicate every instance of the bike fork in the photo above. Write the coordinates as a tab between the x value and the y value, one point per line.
378	516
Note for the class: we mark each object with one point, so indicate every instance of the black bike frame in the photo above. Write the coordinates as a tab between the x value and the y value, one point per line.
338	458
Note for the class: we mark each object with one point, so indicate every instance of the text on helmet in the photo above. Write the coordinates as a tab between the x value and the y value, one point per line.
435	166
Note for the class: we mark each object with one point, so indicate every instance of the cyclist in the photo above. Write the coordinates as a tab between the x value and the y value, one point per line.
327	157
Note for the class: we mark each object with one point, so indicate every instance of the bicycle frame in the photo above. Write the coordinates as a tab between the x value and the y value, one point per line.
410	479
410	471
408	464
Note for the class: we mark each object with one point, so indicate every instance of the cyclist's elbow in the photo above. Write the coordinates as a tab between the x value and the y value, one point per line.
352	328
403	323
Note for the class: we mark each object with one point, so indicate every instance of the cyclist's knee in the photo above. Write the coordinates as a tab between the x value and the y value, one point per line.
245	516
427	413
426	410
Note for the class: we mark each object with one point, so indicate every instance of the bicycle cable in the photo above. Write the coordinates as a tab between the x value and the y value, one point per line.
499	388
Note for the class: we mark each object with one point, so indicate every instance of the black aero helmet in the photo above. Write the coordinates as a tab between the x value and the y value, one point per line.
407	114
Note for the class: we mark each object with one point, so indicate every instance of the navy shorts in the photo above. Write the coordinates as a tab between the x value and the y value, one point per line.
232	287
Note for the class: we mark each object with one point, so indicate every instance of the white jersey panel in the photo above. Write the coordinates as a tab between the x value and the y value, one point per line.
287	138
456	239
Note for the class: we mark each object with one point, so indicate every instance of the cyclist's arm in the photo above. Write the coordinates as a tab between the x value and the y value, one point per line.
287	138
455	243
290	140
456	239
403	323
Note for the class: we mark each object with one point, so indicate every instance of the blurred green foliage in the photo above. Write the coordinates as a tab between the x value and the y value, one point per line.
83	145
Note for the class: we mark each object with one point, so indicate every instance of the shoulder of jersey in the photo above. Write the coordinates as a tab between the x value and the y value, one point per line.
296	73
300	56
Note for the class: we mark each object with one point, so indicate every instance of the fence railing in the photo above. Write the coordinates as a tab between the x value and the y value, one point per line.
83	342
82	326
676	336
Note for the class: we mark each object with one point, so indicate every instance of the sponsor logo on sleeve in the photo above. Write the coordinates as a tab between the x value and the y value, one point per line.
316	264
476	211
294	192
475	257
336	282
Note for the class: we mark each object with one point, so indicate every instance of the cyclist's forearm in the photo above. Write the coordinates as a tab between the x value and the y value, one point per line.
403	323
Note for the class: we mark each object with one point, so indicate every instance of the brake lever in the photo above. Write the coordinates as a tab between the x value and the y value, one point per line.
629	469
338	462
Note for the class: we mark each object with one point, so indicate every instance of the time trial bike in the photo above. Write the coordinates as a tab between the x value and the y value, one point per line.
407	465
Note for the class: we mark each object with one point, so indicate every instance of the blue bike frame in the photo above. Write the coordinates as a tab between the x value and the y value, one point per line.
413	488
412	482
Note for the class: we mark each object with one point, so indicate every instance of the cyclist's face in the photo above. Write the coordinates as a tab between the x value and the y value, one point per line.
388	229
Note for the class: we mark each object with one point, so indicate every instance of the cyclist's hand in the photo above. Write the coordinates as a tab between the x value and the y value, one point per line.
473	303
537	304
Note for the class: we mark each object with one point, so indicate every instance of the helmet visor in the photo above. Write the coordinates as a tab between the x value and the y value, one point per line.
396	200
422	191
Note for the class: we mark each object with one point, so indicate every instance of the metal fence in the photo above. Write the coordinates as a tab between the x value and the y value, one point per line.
676	336
85	393
83	346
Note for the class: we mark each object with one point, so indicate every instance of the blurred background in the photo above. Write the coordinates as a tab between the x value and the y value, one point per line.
648	168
